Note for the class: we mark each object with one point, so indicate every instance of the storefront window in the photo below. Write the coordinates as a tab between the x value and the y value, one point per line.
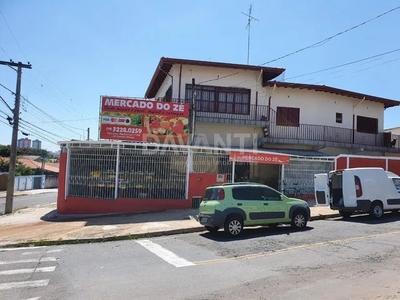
92	172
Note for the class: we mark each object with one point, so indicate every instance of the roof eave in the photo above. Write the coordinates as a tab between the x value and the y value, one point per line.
327	89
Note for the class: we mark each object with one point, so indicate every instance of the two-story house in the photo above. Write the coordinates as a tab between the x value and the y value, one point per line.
244	106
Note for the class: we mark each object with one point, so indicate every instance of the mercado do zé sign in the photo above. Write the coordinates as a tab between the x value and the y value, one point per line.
259	158
137	120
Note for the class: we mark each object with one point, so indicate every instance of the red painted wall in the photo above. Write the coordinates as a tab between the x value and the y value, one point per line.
380	162
198	182
80	205
394	166
357	162
61	181
341	163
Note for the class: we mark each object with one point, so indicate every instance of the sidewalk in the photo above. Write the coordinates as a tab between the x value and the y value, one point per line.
42	226
3	194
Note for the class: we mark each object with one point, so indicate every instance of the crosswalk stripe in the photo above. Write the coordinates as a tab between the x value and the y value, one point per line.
24	284
25	271
165	254
44	259
36	298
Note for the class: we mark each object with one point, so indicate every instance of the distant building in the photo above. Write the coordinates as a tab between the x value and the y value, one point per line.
24	143
36	144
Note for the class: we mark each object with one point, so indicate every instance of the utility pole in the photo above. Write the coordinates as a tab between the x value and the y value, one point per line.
248	28
88	134
13	151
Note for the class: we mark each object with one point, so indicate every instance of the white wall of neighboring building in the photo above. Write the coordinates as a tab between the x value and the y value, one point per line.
320	108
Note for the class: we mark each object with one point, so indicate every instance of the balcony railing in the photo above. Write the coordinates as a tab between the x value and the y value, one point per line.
257	115
320	133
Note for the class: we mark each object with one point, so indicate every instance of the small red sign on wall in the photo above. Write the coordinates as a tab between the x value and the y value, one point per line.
259	158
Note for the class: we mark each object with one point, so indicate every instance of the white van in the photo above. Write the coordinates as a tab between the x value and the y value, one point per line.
358	190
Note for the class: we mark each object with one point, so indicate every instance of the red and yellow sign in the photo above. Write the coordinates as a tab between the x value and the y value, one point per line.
260	158
138	120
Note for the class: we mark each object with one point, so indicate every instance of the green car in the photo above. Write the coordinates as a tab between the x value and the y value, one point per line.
234	205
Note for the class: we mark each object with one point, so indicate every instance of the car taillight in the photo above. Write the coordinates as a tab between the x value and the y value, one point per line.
357	183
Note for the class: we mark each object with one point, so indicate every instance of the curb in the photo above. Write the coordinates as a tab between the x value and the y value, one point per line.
129	236
105	239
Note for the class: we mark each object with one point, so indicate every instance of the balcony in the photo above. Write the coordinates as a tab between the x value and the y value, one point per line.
303	134
327	136
244	114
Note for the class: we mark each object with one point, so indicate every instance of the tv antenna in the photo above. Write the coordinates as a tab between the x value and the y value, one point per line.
250	18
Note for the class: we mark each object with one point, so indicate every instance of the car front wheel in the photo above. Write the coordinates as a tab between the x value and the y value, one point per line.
299	220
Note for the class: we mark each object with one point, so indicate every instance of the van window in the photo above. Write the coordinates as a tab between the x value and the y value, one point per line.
214	194
357	183
396	182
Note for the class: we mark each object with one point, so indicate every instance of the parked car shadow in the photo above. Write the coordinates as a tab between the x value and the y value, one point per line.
367	219
253	232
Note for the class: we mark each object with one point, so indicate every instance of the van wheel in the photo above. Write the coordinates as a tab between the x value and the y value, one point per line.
234	225
345	214
376	210
212	229
299	220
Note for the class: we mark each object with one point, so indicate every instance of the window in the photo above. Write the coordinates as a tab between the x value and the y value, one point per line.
214	194
264	193
255	193
396	182
339	118
243	193
288	116
367	125
220	99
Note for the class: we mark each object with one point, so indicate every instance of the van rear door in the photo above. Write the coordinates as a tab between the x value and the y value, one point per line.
321	188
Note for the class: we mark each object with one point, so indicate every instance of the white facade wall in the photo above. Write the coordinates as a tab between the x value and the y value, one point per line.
316	108
243	79
320	108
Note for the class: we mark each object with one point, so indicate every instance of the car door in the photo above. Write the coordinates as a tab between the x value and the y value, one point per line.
274	209
245	198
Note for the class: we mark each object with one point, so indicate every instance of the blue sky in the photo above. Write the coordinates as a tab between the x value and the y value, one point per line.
80	50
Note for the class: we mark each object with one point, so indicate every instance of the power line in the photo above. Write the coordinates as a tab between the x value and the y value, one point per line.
320	43
40	110
6	104
39	135
12	92
15	39
36	70
73	120
39	128
345	64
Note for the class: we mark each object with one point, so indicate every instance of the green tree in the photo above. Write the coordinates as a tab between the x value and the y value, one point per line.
20	168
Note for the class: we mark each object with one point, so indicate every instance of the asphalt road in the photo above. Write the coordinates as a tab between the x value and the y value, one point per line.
332	259
30	200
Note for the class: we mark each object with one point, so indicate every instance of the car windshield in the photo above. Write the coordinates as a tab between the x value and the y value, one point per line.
396	182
